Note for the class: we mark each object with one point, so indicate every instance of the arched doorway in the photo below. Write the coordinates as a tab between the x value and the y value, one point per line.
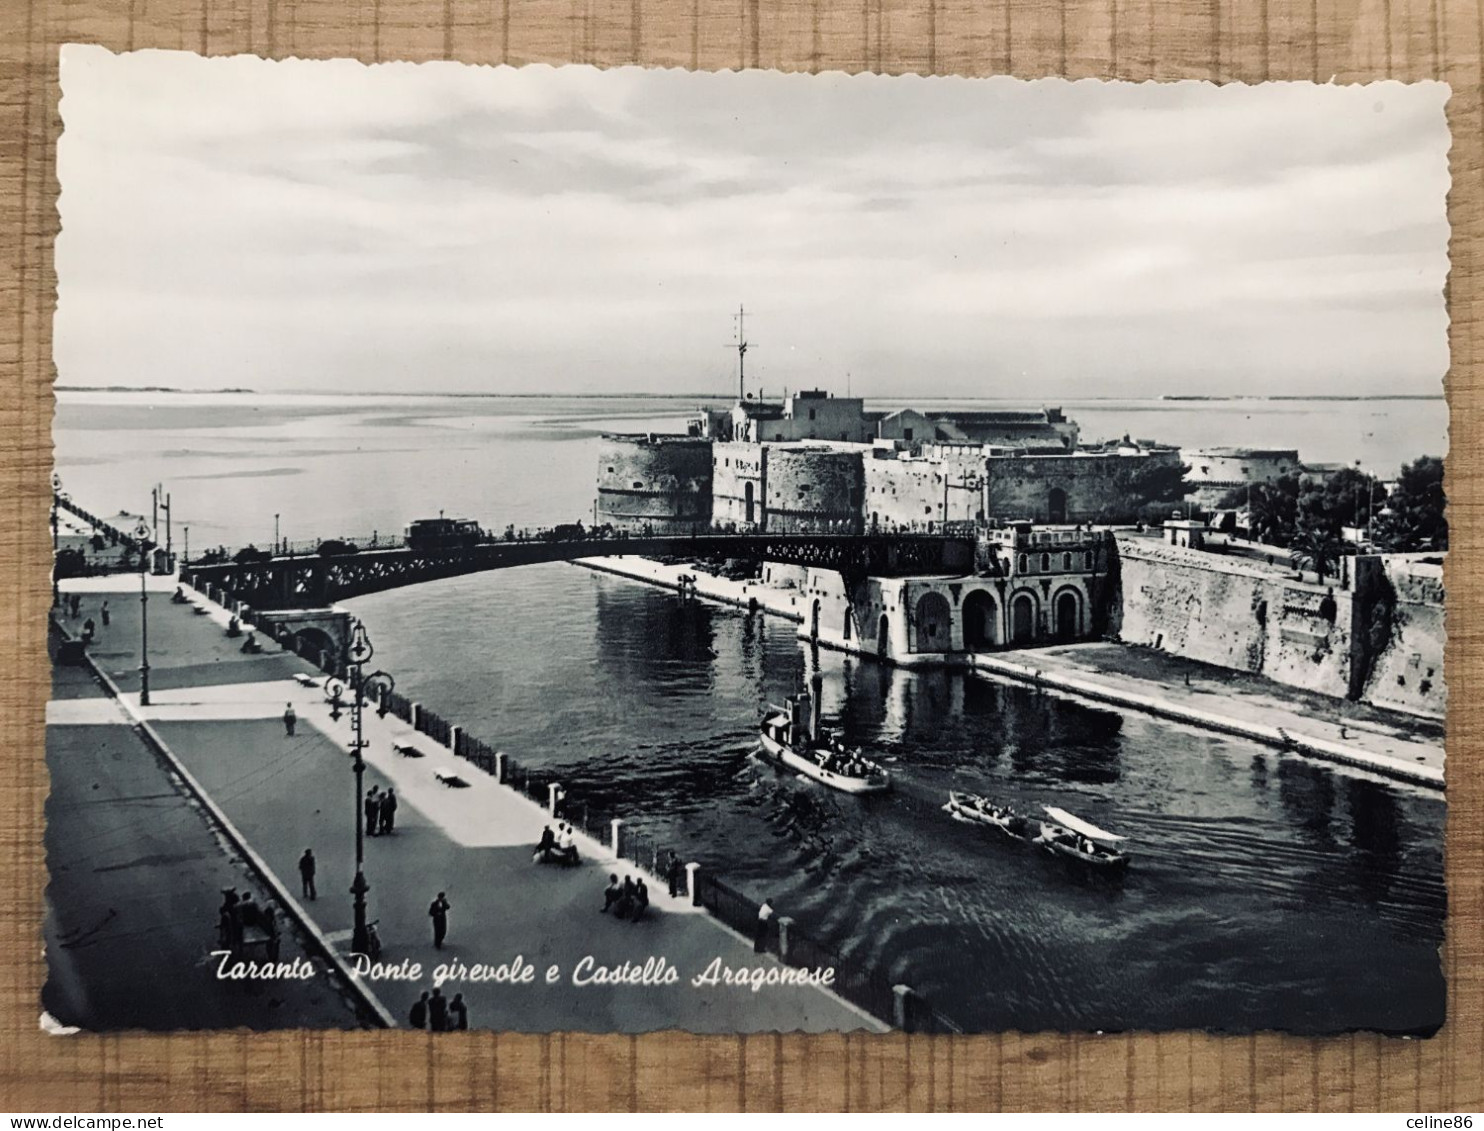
748	501
1056	506
981	621
1068	615
1023	619
934	623
883	636
317	646
814	620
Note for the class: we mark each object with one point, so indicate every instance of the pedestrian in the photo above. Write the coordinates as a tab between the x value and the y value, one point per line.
372	808
544	846
641	899
438	912
103	612
418	1018
458	1014
88	628
610	893
764	918
438	1012
676	875
289	719
388	811
307	867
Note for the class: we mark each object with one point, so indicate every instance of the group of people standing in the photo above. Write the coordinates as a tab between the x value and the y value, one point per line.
72	606
380	809
435	1012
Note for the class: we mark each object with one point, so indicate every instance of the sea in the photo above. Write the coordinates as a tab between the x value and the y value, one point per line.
1268	891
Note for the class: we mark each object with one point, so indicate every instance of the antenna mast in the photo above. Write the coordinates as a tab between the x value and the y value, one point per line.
741	346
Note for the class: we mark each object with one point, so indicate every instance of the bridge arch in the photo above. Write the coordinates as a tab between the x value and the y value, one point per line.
981	621
934	623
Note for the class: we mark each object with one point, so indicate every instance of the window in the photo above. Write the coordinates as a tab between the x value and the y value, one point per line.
907	434
1089	559
1045	563
637	484
610	471
811	414
1023	566
1066	561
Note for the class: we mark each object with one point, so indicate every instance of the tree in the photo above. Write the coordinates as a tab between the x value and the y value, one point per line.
1272	509
1415	518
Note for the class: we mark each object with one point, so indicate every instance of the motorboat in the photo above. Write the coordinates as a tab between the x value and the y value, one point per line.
792	736
1072	838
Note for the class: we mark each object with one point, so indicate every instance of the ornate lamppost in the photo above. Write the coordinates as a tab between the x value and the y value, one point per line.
141	535
358	653
56	498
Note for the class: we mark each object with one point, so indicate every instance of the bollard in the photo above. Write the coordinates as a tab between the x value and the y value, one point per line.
784	923
453	739
554	795
614	826
899	1006
691	887
500	766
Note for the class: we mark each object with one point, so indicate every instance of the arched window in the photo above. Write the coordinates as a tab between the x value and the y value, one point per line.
1024	566
1090	559
1066	561
1045	563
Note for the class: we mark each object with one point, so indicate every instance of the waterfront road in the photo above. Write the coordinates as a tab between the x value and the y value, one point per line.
136	877
220	712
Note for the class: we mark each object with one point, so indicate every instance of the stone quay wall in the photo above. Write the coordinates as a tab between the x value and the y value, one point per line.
1354	637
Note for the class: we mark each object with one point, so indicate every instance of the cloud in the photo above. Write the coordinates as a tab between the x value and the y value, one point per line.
335	226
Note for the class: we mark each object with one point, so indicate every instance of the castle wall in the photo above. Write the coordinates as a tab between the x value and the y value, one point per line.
659	482
737	484
1024	486
813	490
1407	674
1377	635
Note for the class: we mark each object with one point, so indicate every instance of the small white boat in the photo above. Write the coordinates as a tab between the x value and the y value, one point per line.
1072	838
972	809
792	736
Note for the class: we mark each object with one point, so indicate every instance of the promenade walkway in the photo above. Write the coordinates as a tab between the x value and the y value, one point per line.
136	878
219	712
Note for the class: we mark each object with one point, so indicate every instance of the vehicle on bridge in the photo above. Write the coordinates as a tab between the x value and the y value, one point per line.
337	547
250	554
443	534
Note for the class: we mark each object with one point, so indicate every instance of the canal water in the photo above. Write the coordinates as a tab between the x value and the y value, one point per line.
1267	891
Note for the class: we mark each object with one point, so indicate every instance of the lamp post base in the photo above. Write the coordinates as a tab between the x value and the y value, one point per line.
360	938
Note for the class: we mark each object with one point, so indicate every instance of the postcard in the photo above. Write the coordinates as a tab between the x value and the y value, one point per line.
551	549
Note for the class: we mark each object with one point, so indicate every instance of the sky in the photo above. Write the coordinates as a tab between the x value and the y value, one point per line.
328	226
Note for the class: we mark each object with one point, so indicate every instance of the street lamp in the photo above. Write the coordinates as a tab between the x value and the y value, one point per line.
56	498
359	652
141	534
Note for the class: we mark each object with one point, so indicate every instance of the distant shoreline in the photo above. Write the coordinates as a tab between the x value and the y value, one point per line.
1175	397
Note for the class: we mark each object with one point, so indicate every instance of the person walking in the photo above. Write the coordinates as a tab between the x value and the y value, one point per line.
418	1017
458	1014
676	875
388	811
289	719
611	893
438	1012
641	899
307	867
764	918
372	808
103	613
438	912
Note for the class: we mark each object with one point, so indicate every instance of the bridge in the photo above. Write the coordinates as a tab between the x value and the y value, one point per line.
298	582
